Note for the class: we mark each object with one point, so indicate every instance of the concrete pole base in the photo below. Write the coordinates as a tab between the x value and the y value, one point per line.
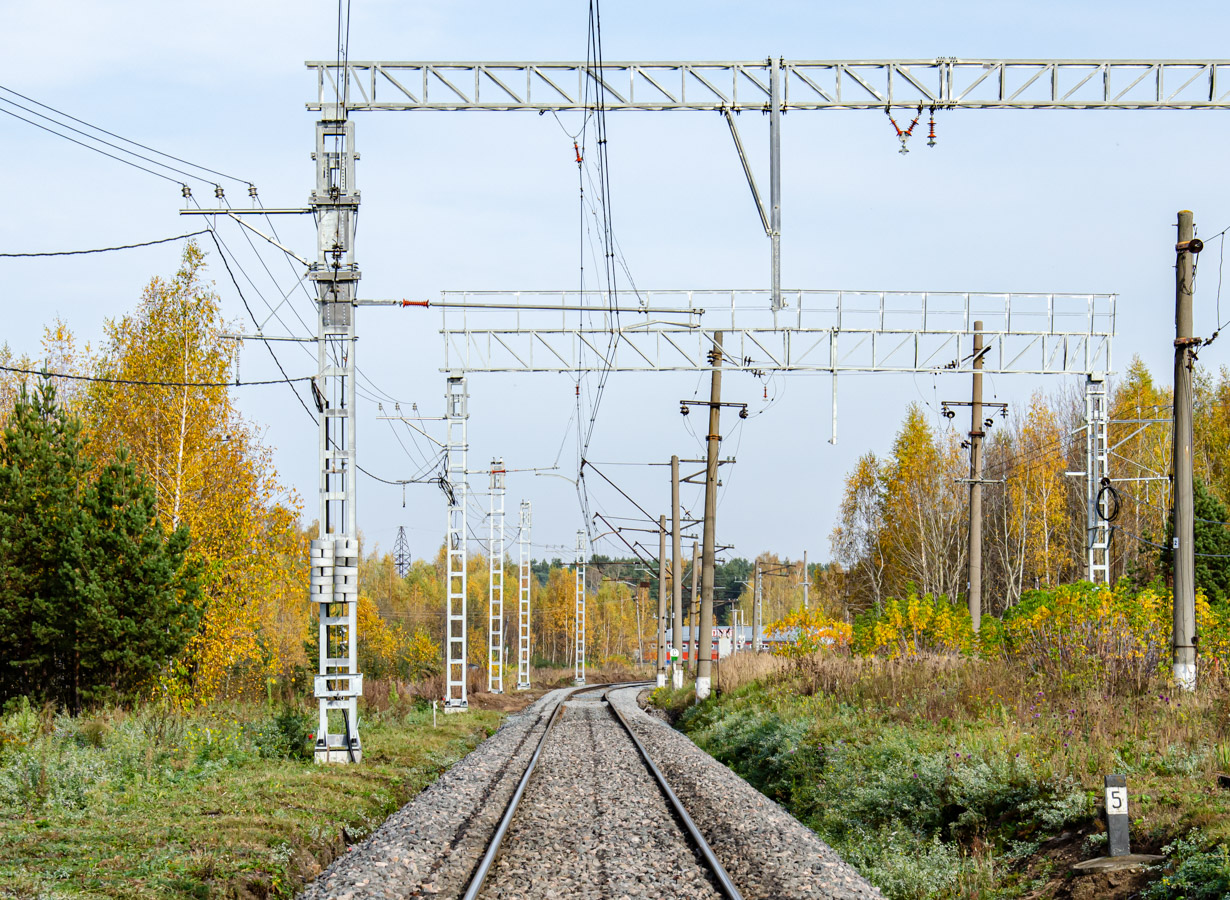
702	688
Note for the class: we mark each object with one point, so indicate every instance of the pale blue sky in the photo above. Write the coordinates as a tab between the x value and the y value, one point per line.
1008	200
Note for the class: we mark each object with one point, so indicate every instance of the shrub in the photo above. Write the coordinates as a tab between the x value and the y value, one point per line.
1199	874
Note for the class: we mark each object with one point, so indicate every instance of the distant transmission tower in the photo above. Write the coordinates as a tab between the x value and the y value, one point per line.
401	553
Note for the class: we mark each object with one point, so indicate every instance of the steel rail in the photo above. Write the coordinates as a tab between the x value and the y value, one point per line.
493	848
727	886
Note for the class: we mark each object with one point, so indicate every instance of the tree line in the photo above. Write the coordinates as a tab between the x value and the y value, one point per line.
903	520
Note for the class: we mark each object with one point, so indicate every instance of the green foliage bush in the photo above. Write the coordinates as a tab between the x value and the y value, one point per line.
898	803
1200	872
75	765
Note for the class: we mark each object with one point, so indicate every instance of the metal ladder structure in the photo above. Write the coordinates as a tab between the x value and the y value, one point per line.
523	603
1096	469
580	609
456	412
495	583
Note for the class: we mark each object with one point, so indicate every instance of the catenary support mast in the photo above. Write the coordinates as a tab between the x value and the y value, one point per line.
663	603
579	675
335	553
523	605
495	583
704	668
1183	545
975	486
456	413
676	582
757	601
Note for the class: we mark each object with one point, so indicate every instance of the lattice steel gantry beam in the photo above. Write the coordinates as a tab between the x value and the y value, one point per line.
335	552
813	331
946	83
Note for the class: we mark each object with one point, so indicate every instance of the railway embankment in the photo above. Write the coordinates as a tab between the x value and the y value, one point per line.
967	777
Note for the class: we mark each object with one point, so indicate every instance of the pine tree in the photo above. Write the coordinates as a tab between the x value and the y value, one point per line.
1212	543
94	598
137	591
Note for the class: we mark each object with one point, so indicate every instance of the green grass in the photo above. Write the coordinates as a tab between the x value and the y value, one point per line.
941	779
145	804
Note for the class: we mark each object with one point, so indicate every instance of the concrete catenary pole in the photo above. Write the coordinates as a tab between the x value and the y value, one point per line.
676	581
694	607
975	486
663	609
757	600
806	580
1183	544
704	668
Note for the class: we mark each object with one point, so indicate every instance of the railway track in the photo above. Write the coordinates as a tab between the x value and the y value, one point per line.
592	816
563	802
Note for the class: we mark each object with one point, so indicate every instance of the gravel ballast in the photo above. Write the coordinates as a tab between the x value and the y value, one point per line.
593	823
768	853
431	845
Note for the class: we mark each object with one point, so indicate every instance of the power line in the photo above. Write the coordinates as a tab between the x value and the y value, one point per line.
126	162
178	237
140	383
121	137
104	143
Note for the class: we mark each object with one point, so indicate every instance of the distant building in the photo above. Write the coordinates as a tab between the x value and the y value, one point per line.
727	639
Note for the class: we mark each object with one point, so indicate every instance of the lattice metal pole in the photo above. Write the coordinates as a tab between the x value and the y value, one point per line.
334	554
580	613
495	583
456	412
775	181
523	589
401	553
1096	469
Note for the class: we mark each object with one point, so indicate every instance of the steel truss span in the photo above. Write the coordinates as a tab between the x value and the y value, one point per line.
947	83
815	331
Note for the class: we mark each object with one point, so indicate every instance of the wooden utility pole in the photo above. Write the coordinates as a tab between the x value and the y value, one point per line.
975	487
676	581
662	607
1183	545
704	668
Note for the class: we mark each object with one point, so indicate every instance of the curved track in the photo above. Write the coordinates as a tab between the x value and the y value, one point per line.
591	819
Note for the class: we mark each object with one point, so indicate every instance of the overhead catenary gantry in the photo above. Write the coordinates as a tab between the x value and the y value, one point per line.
773	85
